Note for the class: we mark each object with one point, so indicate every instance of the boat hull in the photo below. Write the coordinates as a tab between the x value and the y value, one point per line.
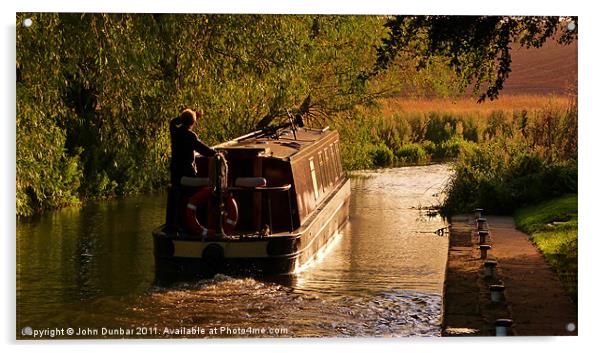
276	254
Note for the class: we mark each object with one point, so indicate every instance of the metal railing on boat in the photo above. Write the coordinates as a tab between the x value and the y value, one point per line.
268	190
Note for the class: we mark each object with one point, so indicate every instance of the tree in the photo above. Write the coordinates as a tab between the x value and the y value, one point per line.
95	91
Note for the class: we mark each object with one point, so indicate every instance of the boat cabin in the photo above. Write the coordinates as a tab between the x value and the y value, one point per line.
278	180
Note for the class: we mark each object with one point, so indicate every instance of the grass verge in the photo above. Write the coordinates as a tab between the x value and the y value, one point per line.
552	226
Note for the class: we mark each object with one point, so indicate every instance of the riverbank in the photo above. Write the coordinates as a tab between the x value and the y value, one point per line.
533	298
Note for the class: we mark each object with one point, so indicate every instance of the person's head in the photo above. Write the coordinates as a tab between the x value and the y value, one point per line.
188	117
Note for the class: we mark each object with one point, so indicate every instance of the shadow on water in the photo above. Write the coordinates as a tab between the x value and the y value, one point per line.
382	276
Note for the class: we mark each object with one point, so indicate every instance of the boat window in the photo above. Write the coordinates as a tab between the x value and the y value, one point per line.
337	154
326	168
322	173
312	169
334	163
328	161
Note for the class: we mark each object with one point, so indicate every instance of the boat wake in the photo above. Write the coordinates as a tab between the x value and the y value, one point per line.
248	302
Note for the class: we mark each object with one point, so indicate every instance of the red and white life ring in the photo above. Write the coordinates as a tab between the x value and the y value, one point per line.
230	216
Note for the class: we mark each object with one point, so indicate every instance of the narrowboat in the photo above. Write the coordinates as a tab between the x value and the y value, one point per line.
266	204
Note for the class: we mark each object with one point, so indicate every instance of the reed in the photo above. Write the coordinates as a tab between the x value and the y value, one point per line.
523	159
406	132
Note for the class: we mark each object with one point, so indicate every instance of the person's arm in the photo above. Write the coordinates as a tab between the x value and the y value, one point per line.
202	148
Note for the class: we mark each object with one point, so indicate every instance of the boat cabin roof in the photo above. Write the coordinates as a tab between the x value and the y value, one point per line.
282	144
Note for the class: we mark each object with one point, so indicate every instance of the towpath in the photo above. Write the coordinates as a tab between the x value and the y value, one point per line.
535	299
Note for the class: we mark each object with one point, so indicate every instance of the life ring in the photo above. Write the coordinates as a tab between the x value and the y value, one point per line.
230	216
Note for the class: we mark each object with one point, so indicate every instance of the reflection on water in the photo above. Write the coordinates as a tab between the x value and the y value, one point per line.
382	276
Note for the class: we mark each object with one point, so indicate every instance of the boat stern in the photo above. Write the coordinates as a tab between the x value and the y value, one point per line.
177	254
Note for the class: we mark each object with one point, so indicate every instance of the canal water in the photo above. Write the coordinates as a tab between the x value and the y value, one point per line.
88	273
